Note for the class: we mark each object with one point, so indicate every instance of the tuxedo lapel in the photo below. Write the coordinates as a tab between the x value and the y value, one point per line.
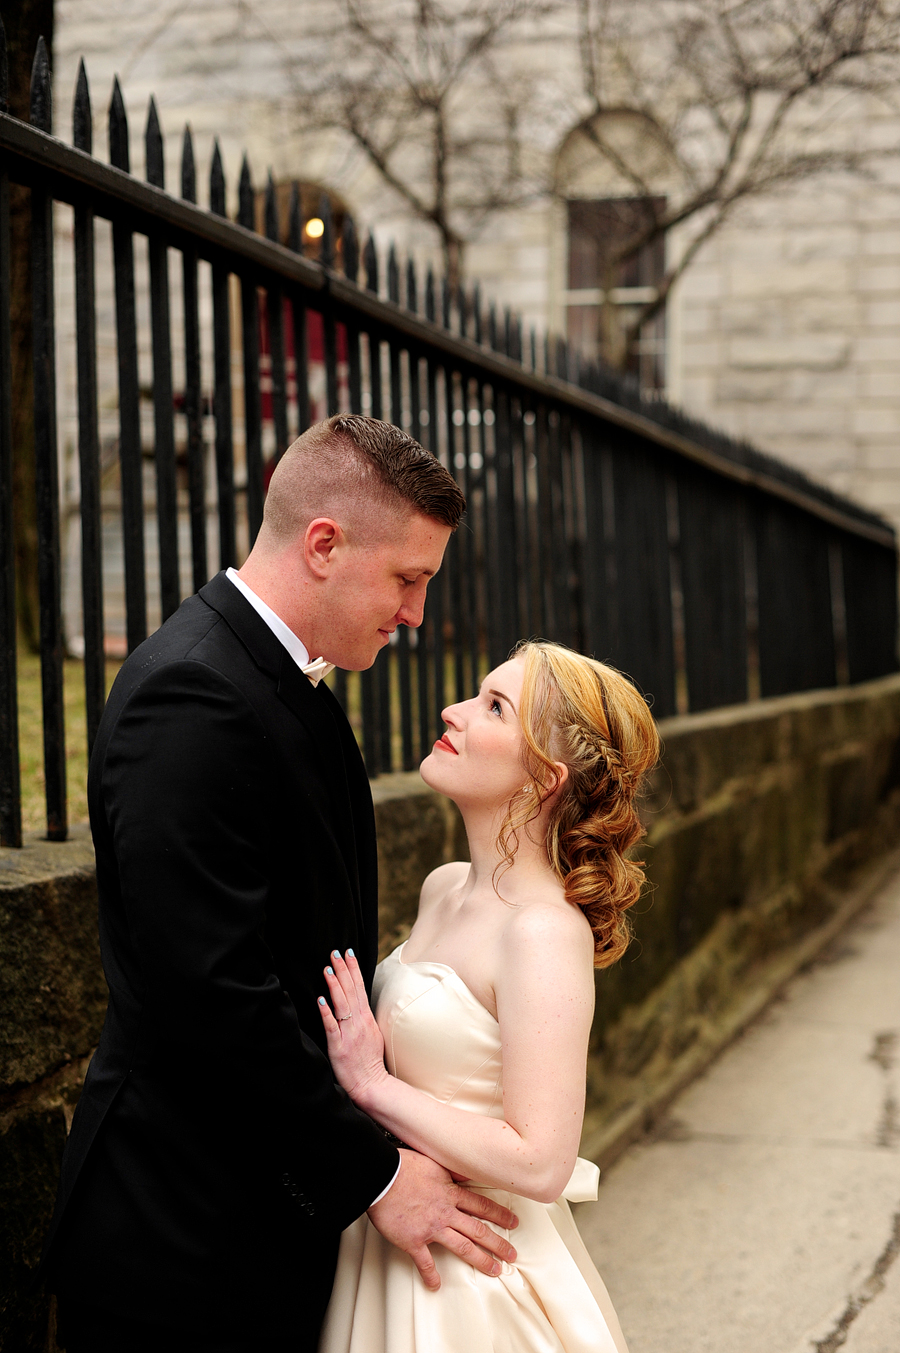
311	705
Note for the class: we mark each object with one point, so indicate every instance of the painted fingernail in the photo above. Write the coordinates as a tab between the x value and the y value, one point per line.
496	1270
350	953
330	972
335	953
321	1000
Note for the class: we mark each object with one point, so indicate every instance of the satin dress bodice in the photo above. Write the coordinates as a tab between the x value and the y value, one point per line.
440	1038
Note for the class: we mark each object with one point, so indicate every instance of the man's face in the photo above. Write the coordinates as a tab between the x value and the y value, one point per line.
371	589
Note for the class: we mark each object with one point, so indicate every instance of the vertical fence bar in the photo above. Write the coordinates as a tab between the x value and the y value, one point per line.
298	316
163	400
222	383
88	433
10	788
47	473
275	307
714	588
329	331
193	398
130	451
250	347
456	564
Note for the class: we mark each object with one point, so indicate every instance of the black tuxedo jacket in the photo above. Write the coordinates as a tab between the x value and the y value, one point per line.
213	1161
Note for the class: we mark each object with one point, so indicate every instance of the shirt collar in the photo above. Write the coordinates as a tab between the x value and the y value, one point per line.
295	647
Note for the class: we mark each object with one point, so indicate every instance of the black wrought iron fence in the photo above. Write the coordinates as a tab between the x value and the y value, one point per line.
708	571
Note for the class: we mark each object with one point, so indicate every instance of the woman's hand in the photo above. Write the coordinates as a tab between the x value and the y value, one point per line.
355	1044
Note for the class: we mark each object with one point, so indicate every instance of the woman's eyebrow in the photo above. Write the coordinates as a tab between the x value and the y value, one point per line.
501	696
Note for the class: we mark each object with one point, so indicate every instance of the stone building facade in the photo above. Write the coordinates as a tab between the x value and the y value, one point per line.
784	330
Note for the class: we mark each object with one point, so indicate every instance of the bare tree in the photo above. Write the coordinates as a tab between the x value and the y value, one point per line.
423	90
695	107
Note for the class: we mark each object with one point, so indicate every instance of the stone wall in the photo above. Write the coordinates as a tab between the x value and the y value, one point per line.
768	826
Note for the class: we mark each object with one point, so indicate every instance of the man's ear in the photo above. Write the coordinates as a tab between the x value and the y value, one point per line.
321	538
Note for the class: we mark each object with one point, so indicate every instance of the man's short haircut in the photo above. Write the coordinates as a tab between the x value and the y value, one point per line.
350	463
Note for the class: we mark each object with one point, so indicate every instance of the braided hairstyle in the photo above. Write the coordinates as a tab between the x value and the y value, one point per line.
588	716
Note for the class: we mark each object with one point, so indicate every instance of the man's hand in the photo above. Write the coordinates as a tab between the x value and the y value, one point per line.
424	1206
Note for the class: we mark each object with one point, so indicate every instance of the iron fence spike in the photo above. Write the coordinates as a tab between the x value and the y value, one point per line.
477	328
82	119
245	197
350	249
41	105
393	277
188	167
4	70
412	288
326	248
430	301
295	220
462	309
217	182
446	302
119	155
271	209
153	140
493	339
371	262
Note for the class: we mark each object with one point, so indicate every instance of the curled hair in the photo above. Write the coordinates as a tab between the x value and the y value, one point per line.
589	717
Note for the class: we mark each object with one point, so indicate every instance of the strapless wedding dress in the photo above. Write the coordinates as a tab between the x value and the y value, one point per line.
439	1038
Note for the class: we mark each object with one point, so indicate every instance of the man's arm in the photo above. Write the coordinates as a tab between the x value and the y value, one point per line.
186	785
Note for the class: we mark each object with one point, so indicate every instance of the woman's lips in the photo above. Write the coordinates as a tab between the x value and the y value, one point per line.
446	745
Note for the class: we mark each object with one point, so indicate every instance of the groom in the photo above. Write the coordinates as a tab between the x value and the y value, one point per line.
213	1161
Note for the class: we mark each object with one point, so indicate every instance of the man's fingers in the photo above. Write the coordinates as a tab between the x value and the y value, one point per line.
424	1262
469	1252
479	1206
485	1238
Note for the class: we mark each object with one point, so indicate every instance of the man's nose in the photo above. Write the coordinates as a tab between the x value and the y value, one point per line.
412	611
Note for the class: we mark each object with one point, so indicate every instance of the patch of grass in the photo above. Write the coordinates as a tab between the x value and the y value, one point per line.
31	739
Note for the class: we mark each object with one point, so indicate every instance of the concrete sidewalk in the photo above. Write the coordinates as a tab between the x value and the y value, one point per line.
764	1216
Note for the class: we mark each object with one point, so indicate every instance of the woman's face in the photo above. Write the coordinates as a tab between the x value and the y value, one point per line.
479	758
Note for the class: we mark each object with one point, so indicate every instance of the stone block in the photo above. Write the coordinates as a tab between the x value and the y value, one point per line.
881	243
823	352
750	387
879	349
882	314
417	831
33	1127
878	384
799	279
872	419
55	994
703	282
884	277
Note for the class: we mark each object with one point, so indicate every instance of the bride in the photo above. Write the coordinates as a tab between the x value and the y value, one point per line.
476	1052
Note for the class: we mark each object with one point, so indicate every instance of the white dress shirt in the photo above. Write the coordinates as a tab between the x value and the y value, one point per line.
299	653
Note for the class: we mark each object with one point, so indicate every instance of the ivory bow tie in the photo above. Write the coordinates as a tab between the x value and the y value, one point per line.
317	670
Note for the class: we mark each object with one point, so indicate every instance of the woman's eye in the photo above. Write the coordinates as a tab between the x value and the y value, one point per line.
496	707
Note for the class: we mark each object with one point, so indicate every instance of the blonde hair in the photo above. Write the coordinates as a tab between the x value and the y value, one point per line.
593	720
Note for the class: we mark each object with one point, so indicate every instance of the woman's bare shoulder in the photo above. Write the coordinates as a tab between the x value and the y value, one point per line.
547	922
440	882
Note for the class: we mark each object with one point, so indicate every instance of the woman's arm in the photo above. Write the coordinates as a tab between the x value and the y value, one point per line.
544	991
